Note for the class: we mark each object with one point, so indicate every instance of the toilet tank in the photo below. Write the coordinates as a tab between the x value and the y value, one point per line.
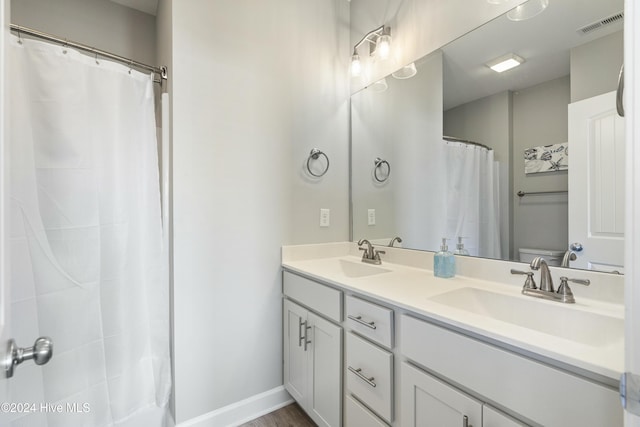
552	256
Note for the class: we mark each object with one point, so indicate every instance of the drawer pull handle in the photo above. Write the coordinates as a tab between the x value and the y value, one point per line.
359	374
465	421
300	337
306	337
358	319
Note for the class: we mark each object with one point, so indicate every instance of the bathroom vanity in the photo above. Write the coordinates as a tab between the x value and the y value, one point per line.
391	345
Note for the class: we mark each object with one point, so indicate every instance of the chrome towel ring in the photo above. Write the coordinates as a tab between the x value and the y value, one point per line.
378	162
314	155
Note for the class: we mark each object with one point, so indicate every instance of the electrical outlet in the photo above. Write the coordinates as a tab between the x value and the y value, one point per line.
325	217
371	217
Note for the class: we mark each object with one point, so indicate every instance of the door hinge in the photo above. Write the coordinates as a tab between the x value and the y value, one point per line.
630	392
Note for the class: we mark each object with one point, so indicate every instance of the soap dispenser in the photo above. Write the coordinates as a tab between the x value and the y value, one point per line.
460	250
444	263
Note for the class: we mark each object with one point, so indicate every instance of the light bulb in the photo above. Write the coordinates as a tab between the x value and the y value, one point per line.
383	46
356	66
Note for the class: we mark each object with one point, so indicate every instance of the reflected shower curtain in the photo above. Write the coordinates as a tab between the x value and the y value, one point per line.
473	205
87	237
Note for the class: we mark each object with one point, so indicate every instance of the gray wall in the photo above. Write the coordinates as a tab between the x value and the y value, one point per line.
595	66
539	118
488	121
256	86
99	23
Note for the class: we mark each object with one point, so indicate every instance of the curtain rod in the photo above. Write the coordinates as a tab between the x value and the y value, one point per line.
160	71
465	141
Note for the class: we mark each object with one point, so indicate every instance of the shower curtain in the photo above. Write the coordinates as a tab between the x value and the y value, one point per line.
473	205
86	204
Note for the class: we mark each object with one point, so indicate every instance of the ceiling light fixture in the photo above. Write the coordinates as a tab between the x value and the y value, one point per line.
527	10
379	44
505	62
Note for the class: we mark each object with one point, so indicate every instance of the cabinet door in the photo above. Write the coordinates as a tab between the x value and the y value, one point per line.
296	379
325	372
427	401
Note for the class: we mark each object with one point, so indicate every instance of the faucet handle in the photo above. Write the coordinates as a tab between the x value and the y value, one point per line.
530	283
377	254
565	291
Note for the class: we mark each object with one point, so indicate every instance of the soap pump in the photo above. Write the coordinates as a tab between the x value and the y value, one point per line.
444	263
460	250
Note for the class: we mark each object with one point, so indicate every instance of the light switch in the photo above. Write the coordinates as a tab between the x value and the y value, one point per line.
371	217
325	217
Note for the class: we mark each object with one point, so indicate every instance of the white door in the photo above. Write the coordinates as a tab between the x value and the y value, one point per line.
596	183
632	260
5	329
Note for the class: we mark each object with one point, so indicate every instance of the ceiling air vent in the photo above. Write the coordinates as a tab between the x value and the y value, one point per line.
601	23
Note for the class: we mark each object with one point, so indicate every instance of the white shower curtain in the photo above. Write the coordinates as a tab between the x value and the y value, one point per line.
85	200
473	205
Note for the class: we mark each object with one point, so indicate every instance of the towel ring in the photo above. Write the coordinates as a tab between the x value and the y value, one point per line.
378	162
314	155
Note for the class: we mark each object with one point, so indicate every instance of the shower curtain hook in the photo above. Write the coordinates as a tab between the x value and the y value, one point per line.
130	62
96	52
19	36
64	47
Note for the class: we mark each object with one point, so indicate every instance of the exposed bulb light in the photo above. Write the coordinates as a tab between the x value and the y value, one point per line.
379	86
379	41
527	10
405	72
383	44
504	63
356	65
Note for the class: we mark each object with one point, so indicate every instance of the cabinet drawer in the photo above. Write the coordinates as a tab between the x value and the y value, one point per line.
318	297
371	320
370	375
531	385
356	415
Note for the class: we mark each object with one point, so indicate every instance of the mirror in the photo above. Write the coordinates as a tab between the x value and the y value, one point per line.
409	181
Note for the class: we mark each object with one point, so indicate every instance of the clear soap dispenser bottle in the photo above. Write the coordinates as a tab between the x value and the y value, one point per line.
444	263
460	250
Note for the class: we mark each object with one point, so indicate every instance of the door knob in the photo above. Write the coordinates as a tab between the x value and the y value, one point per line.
576	246
40	353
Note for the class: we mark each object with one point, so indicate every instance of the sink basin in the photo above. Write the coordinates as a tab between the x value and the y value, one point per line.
551	318
359	269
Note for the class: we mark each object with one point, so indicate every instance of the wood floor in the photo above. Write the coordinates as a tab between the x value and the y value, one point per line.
289	416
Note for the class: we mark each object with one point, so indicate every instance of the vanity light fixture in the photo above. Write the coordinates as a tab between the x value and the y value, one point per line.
405	72
379	45
505	62
527	10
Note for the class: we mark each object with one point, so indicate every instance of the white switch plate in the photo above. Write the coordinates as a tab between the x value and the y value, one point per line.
325	217
371	217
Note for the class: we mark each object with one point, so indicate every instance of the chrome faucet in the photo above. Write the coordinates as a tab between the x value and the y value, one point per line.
546	290
370	255
546	281
395	239
568	256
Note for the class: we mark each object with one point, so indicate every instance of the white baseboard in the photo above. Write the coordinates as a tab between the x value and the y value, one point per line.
243	411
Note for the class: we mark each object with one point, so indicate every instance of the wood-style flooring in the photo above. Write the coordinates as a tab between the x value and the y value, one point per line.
289	416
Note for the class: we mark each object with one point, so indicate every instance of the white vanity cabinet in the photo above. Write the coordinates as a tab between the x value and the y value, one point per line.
543	394
313	353
428	401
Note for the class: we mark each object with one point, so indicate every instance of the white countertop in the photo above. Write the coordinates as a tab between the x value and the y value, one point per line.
410	288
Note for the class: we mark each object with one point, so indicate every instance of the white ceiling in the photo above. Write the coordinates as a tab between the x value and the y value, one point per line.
146	6
544	41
